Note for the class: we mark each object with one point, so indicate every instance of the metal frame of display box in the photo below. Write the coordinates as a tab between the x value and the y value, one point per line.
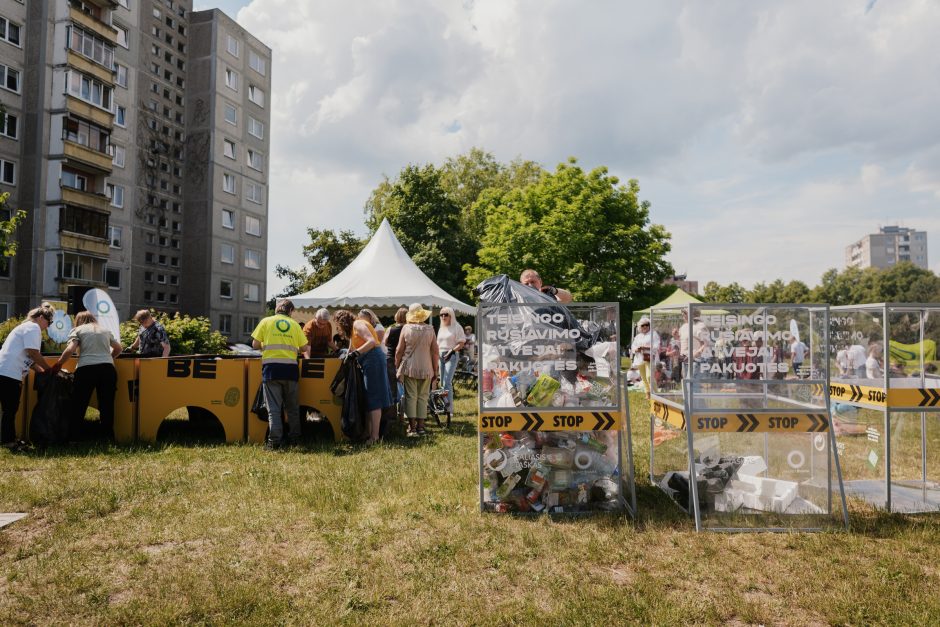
892	395
781	408
577	421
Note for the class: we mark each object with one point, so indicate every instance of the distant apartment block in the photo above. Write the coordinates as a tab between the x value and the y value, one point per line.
683	283
891	245
136	136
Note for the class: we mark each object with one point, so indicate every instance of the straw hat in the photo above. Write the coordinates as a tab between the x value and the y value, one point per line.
417	314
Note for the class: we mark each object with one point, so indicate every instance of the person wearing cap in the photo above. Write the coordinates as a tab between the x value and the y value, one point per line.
281	340
531	278
645	341
450	340
20	352
417	365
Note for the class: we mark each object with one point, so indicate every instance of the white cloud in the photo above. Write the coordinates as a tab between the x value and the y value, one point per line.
786	127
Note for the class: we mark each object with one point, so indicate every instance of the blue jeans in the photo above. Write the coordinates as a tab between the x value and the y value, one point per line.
448	368
281	395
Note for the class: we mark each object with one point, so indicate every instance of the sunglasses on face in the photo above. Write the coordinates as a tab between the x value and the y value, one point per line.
445	315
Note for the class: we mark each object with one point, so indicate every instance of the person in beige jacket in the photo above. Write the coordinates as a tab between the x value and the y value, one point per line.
417	364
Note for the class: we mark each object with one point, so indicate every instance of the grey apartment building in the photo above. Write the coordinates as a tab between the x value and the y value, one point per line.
891	245
136	138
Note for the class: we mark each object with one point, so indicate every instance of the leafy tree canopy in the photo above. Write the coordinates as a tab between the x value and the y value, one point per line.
580	230
326	255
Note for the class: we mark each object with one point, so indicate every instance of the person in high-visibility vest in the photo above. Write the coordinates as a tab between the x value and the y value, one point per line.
280	339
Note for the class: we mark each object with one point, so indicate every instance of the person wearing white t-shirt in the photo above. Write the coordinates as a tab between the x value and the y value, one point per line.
857	357
874	368
20	352
797	354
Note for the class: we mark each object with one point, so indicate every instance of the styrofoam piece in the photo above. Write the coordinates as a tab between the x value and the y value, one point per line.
759	493
753	465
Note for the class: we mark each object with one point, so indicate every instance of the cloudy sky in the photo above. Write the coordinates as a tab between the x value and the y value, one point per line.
767	136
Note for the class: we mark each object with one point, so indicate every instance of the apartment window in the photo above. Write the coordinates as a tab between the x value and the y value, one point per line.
161	279
256	62
9	31
175	262
148	257
256	95
174	298
248	324
164	240
161	297
91	136
255	160
121	36
112	276
250	292
119	155
231	79
227	253
116	194
88	89
175	243
252	259
148	276
148	295
120	118
9	125
253	226
115	234
254	192
231	114
256	127
92	47
7	172
225	324
228	148
228	183
225	288
228	219
10	78
150	237
161	259
231	44
174	279
74	180
121	75
177	226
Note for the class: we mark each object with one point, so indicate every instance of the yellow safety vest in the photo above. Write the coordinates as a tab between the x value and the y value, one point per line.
280	338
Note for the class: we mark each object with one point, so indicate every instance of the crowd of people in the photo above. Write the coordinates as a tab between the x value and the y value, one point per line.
400	364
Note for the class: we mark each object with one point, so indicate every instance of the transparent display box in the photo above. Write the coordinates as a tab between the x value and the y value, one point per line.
885	394
738	402
553	430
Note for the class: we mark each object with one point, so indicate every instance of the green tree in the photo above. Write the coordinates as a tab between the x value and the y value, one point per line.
582	231
427	222
8	226
327	254
717	293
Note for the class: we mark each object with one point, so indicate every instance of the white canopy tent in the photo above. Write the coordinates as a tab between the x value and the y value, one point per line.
383	277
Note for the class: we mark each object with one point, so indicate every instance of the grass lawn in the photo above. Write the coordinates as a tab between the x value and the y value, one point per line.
393	535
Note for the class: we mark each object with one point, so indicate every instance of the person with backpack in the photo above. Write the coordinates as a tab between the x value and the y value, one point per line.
95	371
20	352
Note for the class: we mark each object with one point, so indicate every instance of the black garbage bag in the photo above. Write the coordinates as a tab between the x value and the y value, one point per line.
502	289
259	407
49	422
354	420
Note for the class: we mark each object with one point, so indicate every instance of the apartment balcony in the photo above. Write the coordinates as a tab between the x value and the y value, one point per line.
85	244
89	111
89	67
89	200
85	157
94	24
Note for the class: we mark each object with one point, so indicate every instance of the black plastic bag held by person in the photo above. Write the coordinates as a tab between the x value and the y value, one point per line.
49	423
349	384
502	289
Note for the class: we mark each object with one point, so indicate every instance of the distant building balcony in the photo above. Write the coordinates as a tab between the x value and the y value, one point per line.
89	200
89	111
94	23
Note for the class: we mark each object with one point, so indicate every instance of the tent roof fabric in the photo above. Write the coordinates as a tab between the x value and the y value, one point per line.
383	276
679	297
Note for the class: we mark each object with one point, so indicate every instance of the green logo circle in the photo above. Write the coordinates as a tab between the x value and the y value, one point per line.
284	328
231	397
103	307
